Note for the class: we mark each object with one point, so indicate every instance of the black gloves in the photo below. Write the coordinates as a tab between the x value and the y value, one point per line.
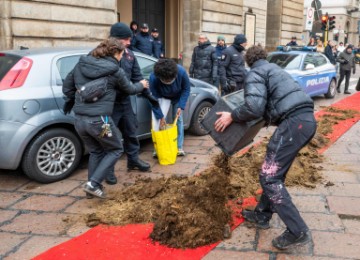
153	100
345	62
68	105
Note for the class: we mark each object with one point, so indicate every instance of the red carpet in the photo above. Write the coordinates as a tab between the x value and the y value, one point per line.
132	241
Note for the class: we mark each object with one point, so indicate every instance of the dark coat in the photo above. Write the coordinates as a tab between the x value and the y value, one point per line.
204	63
90	68
142	42
329	54
219	49
346	60
158	48
232	66
271	93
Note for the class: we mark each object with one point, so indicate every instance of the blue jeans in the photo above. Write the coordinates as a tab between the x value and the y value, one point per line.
179	124
104	151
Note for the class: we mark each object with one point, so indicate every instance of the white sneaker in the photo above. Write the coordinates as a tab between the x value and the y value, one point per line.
181	152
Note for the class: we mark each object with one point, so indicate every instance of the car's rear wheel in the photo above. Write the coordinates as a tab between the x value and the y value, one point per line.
52	155
200	112
331	90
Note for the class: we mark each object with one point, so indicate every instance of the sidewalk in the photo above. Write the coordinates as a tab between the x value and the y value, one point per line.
332	213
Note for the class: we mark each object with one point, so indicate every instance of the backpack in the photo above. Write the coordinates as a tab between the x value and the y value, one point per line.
93	90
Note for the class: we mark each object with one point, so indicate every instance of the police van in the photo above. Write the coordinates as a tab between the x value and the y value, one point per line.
312	70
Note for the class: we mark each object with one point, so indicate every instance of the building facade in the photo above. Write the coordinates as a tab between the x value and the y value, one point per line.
347	17
37	23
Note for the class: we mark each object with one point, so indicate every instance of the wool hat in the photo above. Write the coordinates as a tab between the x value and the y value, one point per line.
240	39
144	25
221	38
154	30
350	46
120	31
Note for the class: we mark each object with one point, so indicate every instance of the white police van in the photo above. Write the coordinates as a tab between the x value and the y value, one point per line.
312	70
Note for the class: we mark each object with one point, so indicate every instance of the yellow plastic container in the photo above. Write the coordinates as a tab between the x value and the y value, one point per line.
165	143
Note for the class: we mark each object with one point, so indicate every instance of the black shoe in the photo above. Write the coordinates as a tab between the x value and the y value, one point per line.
347	92
94	190
139	164
111	179
253	217
287	239
338	90
89	196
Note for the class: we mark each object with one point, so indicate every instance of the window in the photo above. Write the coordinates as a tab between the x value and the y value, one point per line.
319	60
285	61
146	66
6	63
309	59
66	64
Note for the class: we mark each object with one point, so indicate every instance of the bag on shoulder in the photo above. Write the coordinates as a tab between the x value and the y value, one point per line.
93	90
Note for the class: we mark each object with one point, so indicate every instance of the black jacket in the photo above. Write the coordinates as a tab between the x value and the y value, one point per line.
329	54
90	68
232	65
142	42
204	64
271	93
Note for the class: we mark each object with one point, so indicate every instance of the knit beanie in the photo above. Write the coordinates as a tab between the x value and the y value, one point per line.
240	39
120	31
221	38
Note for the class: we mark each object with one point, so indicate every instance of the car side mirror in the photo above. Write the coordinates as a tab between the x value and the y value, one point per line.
310	66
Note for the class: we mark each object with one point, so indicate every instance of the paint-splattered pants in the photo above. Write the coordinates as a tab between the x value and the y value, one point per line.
291	135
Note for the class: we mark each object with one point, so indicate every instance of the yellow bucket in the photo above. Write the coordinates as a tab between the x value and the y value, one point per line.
165	143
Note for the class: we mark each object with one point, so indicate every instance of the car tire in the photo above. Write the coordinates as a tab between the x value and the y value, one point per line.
52	155
201	110
331	90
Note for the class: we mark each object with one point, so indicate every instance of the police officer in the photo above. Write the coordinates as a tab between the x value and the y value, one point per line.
158	46
232	70
142	41
123	114
204	63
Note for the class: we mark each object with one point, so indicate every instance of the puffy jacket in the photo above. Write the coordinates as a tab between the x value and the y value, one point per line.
346	60
158	48
271	93
204	63
143	42
232	65
90	68
219	49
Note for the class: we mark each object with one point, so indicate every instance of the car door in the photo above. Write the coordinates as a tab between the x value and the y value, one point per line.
142	106
324	70
61	67
310	74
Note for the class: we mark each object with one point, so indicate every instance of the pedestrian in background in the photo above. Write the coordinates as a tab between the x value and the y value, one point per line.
124	114
329	53
93	120
292	42
232	70
134	27
341	47
170	84
142	41
220	47
158	46
204	63
320	46
347	63
312	42
272	94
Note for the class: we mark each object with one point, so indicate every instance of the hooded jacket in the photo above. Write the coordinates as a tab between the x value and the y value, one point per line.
142	42
346	60
90	68
204	63
271	93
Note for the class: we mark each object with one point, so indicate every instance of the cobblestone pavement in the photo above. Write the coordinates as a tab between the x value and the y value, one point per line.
33	216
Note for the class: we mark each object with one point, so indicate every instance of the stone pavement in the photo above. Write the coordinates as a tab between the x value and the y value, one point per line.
35	217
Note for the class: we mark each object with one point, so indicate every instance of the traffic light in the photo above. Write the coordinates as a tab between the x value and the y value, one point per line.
331	23
324	22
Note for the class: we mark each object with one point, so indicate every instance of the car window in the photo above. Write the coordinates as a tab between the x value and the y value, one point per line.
309	59
6	63
146	66
319	60
66	64
285	60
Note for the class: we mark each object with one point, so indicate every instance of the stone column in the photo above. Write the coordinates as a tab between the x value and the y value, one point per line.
5	25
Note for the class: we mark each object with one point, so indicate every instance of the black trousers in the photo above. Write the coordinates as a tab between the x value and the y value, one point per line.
344	74
125	118
291	135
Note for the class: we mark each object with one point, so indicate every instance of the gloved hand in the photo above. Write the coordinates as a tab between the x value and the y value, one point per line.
68	105
345	62
153	100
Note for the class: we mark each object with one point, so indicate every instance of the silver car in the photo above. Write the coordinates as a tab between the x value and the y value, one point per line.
35	133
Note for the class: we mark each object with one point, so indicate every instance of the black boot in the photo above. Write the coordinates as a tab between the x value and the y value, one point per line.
111	179
257	218
287	239
338	89
347	91
139	164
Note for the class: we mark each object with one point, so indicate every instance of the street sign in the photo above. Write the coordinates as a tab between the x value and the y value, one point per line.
309	18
